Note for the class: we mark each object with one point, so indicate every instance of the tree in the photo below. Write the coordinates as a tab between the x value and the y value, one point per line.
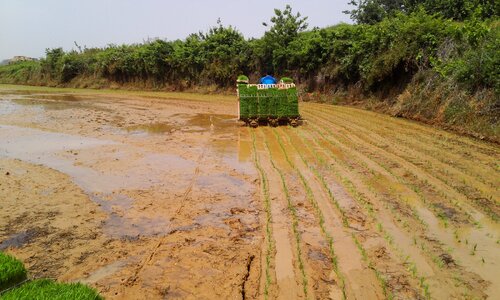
52	64
285	28
373	11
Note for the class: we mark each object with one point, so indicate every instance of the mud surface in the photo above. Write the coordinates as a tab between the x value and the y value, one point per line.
146	198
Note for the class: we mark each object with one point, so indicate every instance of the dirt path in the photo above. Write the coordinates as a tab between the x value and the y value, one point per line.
169	197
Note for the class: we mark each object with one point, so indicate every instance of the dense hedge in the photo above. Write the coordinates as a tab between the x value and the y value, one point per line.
367	55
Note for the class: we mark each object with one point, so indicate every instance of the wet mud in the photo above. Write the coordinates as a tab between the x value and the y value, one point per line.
174	199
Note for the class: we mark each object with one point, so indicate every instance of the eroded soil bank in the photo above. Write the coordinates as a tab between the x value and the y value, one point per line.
170	197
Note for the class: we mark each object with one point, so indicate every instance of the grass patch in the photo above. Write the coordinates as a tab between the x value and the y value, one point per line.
42	289
12	271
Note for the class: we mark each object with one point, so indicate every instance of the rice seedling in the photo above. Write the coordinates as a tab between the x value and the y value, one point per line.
427	165
295	222
402	180
345	221
318	212
380	228
267	203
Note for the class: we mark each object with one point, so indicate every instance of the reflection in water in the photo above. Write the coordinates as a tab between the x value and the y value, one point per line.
153	128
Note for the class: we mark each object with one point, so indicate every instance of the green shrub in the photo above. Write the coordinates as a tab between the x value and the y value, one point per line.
42	289
12	271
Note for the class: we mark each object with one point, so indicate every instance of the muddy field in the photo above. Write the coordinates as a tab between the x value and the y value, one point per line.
147	197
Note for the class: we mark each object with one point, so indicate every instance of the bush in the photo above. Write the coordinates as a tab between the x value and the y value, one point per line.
12	271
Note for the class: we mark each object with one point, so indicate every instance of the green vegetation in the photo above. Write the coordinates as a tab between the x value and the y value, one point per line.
13	274
48	289
435	61
12	271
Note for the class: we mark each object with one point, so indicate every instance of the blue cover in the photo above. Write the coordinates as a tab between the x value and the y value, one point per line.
268	79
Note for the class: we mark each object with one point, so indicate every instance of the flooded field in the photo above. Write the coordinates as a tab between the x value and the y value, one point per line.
149	197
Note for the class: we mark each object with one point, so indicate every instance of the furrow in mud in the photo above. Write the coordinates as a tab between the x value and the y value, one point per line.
461	158
477	193
267	253
288	278
426	268
387	259
349	256
459	250
440	136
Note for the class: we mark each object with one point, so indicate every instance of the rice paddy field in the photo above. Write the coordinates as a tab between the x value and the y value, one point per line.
167	196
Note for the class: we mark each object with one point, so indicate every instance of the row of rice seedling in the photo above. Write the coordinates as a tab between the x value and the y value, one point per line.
405	181
295	220
437	248
462	206
420	132
438	149
345	220
414	212
319	216
440	171
269	220
370	211
447	237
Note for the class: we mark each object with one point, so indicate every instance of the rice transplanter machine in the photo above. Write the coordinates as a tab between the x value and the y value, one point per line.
271	104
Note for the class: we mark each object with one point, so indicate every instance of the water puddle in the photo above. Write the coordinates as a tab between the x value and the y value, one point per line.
121	223
53	104
153	128
58	97
42	147
7	108
56	151
207	122
104	272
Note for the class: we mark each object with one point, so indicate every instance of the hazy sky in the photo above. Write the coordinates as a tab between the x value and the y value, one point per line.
28	27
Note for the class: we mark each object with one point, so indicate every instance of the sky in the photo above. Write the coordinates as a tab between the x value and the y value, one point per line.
28	27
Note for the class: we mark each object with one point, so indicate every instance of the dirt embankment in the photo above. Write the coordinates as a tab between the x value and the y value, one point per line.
166	198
